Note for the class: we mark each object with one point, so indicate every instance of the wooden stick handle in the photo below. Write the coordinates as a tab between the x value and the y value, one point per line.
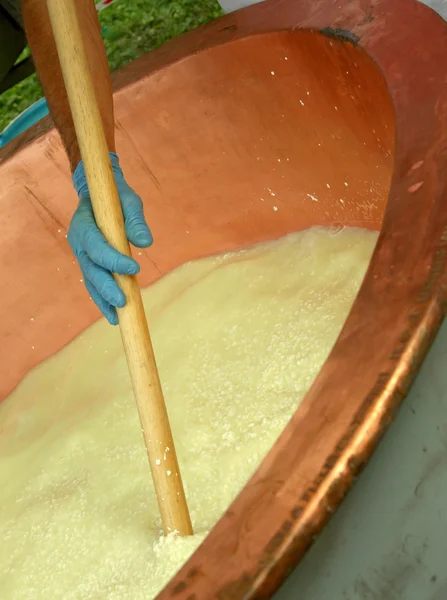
132	319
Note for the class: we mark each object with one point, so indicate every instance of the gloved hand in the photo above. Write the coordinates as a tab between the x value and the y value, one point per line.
96	257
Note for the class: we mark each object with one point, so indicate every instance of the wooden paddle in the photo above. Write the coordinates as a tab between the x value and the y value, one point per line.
132	319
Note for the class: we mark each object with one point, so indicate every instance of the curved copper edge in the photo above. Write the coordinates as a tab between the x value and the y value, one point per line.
285	488
243	557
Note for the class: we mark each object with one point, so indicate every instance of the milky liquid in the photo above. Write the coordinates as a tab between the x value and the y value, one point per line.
239	338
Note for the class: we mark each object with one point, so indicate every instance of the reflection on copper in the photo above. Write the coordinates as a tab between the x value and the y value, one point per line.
334	113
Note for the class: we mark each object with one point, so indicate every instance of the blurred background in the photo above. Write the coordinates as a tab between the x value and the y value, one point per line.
129	28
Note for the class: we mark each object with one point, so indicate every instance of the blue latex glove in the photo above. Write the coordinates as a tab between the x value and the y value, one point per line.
96	257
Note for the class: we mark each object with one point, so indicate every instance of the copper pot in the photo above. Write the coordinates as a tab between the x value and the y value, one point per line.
335	114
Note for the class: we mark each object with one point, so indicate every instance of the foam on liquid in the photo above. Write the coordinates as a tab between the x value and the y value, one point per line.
239	338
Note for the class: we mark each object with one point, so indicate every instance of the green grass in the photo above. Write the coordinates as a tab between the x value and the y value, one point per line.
132	27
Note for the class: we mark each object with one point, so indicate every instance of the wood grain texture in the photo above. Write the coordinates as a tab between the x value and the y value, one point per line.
109	217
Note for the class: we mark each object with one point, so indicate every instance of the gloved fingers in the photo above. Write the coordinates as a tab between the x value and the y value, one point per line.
137	231
102	281
107	310
90	239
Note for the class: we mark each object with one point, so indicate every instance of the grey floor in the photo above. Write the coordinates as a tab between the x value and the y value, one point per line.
388	541
439	6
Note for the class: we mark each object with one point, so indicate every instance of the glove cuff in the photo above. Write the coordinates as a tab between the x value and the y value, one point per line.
80	181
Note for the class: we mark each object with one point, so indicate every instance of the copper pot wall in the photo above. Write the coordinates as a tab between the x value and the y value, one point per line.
335	113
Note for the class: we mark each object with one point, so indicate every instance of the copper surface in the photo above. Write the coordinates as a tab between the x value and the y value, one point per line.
259	110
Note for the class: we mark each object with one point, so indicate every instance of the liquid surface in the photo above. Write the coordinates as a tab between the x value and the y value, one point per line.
239	338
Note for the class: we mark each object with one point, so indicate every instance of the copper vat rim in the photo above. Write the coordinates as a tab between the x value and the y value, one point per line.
237	560
224	567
